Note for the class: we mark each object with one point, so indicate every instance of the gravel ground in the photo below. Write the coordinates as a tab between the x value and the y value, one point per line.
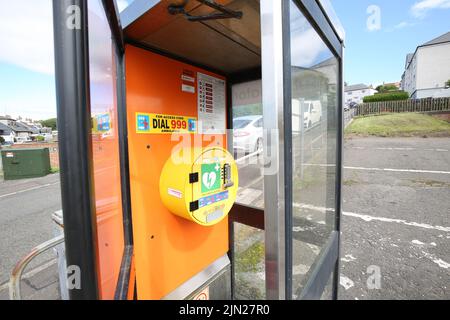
396	223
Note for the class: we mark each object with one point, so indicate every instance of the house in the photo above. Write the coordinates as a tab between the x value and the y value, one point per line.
428	69
7	133
15	130
356	93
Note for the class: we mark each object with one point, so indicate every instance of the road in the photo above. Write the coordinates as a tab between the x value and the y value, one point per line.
396	218
26	207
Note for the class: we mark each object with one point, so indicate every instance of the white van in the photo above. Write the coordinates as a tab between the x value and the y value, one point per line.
313	113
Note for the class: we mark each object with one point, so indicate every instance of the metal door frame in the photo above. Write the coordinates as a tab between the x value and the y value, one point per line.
75	143
276	80
73	102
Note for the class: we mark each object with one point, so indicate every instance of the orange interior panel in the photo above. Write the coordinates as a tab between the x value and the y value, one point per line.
168	250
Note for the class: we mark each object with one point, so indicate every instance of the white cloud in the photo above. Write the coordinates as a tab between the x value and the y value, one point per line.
306	45
404	24
122	4
26	34
421	8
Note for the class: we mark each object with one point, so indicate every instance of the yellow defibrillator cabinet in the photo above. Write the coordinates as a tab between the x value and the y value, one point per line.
202	188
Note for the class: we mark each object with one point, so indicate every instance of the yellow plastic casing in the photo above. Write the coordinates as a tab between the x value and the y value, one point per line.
207	200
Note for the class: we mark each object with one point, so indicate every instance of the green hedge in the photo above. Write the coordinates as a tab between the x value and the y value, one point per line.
390	96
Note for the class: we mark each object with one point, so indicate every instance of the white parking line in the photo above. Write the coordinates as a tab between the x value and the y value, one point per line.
402	149
376	169
397	170
30	189
369	218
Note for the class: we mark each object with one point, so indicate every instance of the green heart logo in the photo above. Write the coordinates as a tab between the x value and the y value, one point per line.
210	177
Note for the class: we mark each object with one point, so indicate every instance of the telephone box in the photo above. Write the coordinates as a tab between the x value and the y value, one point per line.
201	147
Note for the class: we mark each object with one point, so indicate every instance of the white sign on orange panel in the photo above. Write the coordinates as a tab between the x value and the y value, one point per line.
211	104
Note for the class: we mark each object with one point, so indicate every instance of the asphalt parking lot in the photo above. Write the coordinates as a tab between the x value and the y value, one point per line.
396	223
396	219
26	207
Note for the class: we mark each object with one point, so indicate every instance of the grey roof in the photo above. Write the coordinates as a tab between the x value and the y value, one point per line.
409	57
355	87
441	39
4	129
329	62
19	127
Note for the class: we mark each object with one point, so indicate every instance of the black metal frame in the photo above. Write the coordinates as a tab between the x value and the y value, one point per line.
75	148
76	159
225	13
328	262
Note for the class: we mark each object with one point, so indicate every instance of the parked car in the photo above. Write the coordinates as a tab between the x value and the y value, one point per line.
248	134
353	105
313	113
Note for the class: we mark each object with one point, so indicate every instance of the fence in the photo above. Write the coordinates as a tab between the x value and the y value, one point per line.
418	105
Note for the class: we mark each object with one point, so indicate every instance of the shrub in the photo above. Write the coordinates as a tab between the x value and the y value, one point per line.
390	96
50	123
386	88
2	140
40	138
447	84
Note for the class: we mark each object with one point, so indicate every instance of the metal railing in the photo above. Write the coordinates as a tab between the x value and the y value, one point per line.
16	274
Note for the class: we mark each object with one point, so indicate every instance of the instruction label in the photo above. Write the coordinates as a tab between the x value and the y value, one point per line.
211	104
206	201
152	123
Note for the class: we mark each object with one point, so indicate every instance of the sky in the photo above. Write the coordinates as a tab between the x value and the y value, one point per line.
376	53
379	34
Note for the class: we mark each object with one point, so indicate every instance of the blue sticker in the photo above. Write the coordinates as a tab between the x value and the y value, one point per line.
206	201
103	122
143	122
192	125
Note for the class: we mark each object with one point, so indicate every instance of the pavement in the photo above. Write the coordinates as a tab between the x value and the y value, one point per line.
26	207
395	224
396	220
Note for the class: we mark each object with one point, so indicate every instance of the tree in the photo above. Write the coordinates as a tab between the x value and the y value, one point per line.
50	123
386	88
447	84
2	140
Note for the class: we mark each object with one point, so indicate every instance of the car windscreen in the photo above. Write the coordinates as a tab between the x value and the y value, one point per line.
239	124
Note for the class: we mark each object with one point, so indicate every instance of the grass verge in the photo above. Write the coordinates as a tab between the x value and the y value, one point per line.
399	125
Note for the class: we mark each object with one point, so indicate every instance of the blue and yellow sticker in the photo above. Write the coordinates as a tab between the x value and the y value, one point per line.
101	123
206	201
153	123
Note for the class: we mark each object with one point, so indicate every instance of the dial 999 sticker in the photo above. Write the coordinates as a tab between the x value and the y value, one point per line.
152	123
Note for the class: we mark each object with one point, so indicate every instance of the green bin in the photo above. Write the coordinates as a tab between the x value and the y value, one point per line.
25	163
